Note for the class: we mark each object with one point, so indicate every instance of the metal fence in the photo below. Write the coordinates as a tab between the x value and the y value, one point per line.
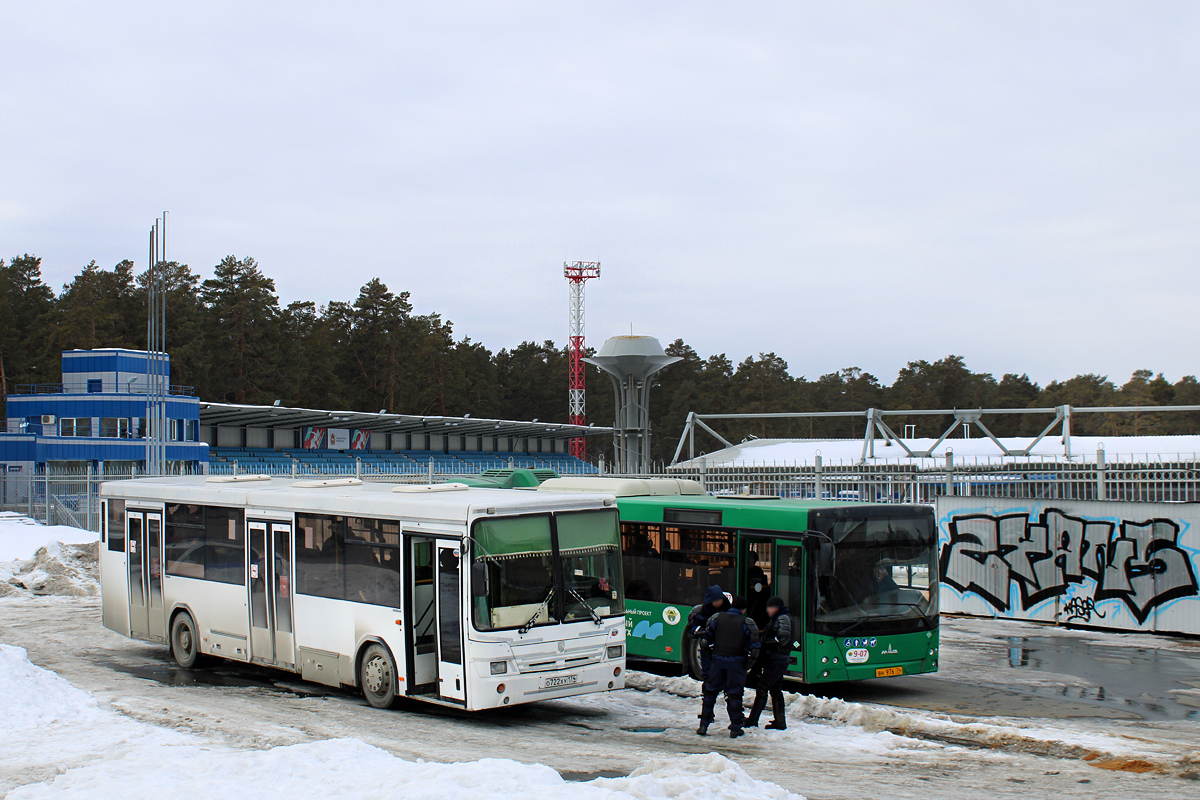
906	483
70	496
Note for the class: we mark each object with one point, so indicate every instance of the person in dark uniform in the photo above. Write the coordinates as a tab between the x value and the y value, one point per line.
697	623
777	639
734	640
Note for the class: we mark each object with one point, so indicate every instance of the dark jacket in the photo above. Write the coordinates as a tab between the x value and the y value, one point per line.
732	635
779	637
701	613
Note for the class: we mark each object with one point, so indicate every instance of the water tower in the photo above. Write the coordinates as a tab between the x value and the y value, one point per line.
630	361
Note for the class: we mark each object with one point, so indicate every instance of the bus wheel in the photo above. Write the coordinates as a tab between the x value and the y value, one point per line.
691	656
377	676
185	645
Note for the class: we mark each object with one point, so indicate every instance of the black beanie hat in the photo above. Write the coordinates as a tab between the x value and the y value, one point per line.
776	602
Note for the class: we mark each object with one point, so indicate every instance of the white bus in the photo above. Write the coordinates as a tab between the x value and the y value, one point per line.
473	598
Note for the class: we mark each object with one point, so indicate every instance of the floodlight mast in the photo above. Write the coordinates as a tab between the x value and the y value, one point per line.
577	274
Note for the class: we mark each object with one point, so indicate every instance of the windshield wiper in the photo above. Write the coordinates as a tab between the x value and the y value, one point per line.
544	605
595	617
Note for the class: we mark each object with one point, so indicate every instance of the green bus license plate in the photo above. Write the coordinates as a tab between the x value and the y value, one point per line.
888	672
561	680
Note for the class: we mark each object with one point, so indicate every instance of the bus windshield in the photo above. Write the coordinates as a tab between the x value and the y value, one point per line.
589	543
884	576
524	585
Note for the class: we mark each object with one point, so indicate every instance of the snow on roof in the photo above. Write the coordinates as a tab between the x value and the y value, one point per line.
766	452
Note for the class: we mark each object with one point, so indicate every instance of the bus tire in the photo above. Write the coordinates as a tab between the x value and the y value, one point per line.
377	676
690	648
185	643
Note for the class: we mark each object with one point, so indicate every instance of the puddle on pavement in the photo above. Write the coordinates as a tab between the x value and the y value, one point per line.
239	677
590	776
645	729
1115	682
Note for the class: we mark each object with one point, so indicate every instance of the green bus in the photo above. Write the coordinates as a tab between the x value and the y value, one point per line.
860	579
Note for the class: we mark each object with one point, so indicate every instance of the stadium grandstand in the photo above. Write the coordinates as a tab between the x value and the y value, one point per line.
280	440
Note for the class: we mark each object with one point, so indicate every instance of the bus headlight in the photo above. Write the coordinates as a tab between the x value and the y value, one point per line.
615	651
499	667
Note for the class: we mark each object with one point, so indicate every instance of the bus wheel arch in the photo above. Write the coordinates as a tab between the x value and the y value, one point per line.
184	637
376	674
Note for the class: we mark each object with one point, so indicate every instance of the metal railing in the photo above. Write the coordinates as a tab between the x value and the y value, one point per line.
70	496
1142	481
105	388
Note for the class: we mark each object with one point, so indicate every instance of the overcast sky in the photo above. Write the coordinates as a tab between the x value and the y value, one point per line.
843	183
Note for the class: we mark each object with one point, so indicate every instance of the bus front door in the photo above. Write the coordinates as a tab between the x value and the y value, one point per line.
420	616
269	580
144	544
755	557
790	561
451	677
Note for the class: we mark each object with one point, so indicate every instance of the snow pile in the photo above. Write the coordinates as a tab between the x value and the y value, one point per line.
64	559
345	767
647	682
877	729
20	536
46	723
813	733
37	698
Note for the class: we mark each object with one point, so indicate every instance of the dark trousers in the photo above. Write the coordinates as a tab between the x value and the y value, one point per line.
705	663
771	683
727	675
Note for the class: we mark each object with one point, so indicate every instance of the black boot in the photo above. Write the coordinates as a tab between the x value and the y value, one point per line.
736	732
779	723
702	730
752	722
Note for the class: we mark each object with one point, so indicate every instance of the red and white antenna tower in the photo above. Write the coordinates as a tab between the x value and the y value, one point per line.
577	274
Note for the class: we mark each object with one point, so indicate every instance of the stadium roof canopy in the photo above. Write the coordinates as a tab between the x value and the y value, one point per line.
238	415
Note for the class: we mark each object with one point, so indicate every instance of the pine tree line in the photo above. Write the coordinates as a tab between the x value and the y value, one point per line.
230	338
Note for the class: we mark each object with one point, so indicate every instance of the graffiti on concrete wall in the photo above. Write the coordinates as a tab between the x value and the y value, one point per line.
1138	563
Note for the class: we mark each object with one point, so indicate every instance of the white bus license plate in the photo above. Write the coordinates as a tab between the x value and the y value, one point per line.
560	680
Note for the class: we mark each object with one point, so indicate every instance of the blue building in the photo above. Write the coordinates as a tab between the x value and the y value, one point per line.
97	417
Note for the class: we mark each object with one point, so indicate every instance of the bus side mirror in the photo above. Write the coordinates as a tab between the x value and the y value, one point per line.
479	579
825	558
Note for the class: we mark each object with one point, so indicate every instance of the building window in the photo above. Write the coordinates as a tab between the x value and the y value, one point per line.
75	426
95	386
114	427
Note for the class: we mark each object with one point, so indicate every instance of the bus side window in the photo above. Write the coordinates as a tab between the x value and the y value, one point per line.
696	558
116	526
642	546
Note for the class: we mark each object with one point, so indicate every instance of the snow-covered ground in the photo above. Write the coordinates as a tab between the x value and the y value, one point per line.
86	712
50	727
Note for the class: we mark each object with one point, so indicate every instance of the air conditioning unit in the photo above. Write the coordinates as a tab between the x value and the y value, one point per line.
48	419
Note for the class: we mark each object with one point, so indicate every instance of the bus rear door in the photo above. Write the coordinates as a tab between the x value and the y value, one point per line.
147	618
270	586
